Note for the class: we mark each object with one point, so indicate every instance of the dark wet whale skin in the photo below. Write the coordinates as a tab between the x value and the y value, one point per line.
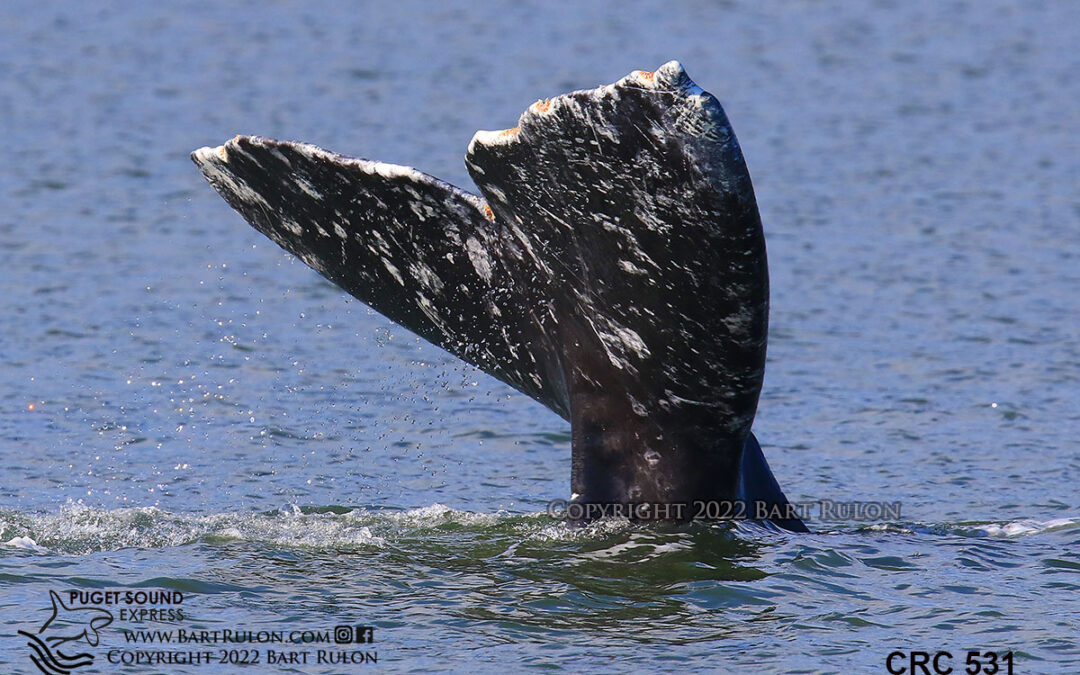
616	273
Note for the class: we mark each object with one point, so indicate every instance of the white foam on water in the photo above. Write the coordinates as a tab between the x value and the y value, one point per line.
24	542
1026	527
81	529
78	529
438	514
1023	527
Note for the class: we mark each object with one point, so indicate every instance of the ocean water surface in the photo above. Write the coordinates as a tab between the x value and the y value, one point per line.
186	410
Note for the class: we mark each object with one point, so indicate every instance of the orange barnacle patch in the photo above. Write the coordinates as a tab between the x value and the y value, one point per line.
543	105
509	132
646	75
488	213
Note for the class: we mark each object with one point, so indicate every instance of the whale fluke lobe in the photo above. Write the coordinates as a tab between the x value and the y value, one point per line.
615	273
420	251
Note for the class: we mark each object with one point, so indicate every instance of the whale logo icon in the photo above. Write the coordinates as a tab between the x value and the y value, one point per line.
52	647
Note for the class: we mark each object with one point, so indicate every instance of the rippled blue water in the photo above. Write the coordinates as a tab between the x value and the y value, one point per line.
184	407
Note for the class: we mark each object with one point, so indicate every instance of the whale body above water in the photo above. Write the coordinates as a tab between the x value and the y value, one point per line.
614	271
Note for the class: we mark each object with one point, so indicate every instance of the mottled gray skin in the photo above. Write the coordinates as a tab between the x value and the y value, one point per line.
616	273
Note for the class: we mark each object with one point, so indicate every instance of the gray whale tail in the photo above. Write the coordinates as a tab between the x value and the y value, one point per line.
614	271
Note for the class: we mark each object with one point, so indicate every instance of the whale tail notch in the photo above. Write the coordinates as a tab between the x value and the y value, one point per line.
615	272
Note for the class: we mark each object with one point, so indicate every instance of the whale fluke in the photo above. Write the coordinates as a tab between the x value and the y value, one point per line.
616	273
